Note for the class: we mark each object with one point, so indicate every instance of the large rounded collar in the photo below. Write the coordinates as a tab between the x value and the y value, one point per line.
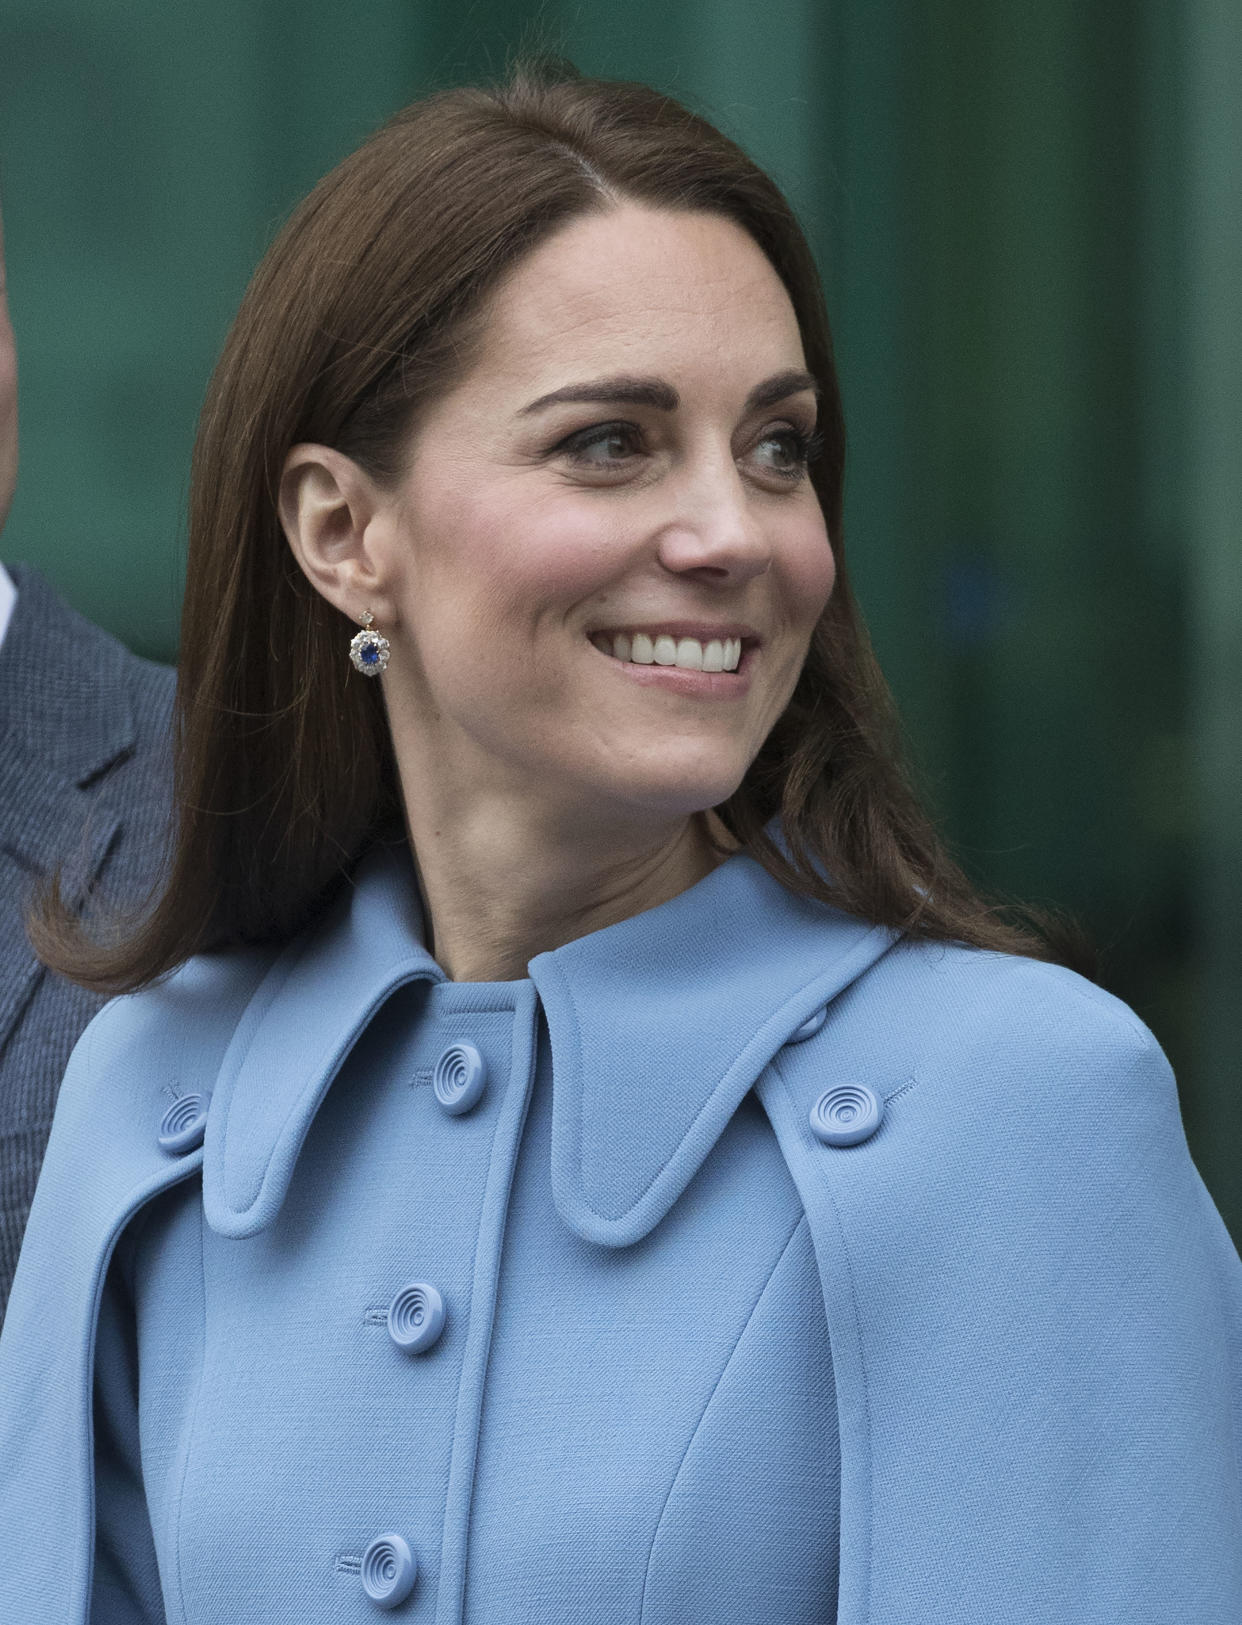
659	1026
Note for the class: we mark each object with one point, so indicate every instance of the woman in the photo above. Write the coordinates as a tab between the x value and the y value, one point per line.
639	1179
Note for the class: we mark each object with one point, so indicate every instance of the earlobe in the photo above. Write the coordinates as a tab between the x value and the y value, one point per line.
326	506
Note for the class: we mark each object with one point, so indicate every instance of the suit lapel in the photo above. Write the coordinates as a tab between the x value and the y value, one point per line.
66	717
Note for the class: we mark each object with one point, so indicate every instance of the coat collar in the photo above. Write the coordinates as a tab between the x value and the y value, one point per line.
304	1017
659	1026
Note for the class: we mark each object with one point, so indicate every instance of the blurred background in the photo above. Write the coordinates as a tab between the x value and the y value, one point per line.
1029	221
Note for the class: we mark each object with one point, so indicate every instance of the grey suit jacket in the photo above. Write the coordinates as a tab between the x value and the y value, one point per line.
84	785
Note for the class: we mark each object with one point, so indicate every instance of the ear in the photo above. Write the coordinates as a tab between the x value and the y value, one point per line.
327	505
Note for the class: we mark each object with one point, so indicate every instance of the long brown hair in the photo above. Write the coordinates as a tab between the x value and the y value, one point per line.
364	310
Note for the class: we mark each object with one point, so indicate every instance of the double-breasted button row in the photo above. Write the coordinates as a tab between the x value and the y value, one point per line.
416	1318
417	1314
389	1567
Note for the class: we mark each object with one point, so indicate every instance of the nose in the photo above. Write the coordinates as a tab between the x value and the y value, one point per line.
716	535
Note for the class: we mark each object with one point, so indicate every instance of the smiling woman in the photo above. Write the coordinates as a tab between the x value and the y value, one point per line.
525	537
573	1147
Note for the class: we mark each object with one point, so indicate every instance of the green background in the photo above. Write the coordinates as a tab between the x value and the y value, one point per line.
1030	226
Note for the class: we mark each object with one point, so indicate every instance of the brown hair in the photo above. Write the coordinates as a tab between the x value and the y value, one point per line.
363	311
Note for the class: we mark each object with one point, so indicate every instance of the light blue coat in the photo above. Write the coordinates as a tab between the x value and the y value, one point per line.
700	1362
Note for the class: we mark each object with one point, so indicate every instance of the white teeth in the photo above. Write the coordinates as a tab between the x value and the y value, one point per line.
687	654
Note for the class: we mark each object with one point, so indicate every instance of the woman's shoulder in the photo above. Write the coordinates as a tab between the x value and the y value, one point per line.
202	999
1001	1094
162	1043
990	1041
1004	1006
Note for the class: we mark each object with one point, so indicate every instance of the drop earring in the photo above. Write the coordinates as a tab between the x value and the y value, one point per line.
368	649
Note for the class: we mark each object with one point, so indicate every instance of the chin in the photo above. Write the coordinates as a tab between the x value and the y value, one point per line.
679	790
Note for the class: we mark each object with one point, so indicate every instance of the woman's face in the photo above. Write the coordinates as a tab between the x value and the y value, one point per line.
604	561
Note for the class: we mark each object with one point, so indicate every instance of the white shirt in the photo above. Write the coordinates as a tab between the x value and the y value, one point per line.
8	597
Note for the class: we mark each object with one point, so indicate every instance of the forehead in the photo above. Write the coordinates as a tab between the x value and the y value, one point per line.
672	291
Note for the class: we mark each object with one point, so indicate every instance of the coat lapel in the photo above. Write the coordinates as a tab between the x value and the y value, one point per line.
73	830
67	719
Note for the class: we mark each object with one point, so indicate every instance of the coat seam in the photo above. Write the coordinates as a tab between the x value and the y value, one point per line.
193	1421
864	1386
707	1405
495	1264
99	1279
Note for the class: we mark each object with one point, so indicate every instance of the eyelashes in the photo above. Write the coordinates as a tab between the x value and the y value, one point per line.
806	447
613	447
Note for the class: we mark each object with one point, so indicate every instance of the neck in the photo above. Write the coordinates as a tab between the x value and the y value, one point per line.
501	885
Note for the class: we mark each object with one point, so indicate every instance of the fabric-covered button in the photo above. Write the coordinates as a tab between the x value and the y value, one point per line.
389	1569
416	1317
459	1078
183	1125
809	1027
846	1114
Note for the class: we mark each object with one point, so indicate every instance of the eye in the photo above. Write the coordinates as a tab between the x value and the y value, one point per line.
603	446
786	451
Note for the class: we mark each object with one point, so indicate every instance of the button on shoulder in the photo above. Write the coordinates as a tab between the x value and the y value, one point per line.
183	1125
846	1114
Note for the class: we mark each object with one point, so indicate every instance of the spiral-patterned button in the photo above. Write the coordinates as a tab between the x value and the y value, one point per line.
809	1027
459	1078
846	1114
183	1125
416	1317
389	1570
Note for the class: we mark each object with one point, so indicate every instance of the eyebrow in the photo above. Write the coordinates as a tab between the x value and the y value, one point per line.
655	392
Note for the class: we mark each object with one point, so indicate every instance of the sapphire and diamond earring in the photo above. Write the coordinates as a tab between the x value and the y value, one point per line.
369	649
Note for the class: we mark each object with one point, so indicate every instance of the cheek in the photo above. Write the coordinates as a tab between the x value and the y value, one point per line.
528	554
810	570
495	567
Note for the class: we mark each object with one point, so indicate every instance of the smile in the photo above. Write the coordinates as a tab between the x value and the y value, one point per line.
663	649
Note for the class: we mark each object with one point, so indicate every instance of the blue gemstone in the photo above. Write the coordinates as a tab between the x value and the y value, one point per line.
370	653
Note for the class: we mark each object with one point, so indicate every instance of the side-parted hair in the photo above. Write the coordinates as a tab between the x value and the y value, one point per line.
366	309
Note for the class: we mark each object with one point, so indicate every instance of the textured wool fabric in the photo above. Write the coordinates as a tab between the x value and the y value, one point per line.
698	1366
83	784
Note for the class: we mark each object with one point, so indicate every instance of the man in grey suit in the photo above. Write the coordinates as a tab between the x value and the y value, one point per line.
84	730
